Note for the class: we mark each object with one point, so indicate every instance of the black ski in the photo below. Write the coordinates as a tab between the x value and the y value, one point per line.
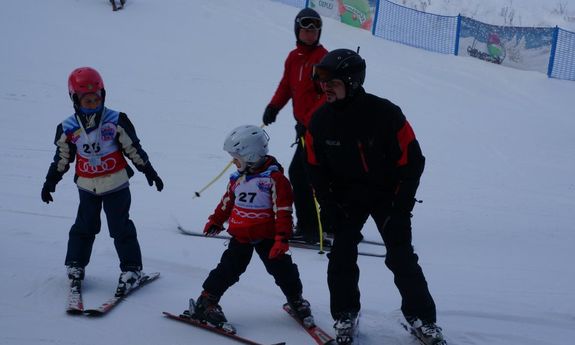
304	245
293	243
208	327
114	301
75	305
318	334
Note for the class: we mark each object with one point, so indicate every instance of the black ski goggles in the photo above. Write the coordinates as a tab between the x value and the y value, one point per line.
309	23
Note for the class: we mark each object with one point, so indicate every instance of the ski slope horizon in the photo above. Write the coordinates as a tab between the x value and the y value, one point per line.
494	232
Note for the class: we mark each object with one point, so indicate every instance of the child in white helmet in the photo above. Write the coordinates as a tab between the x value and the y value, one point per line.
258	208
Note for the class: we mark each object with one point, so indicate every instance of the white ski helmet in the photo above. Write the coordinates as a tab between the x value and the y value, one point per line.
248	144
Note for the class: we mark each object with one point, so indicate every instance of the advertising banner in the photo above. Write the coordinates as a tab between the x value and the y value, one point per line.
519	47
357	13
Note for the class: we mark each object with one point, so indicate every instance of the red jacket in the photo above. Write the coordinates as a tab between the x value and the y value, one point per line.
298	85
257	205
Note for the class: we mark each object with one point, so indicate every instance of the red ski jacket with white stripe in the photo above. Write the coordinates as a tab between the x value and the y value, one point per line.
257	205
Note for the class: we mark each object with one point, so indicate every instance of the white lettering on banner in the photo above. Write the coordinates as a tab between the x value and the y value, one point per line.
327	8
325	4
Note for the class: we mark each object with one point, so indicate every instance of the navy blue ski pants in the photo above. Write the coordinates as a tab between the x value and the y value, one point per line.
235	260
87	225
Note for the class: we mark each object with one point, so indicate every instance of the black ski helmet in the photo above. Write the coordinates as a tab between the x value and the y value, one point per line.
343	64
300	21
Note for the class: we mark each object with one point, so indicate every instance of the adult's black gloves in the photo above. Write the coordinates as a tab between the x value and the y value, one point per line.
152	177
300	131
270	114
405	196
46	190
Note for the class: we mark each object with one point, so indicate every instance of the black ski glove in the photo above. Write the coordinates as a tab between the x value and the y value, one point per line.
404	200
152	177
46	190
300	131
270	114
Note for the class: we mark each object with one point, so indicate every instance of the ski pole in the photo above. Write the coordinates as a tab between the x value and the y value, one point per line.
198	194
319	225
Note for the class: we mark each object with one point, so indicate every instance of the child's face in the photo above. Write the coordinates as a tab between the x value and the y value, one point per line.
90	101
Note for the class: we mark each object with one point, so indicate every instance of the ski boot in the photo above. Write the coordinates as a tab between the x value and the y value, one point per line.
128	280
346	328
427	332
207	309
75	272
302	310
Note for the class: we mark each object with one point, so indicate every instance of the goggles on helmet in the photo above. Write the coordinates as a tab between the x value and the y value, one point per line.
309	23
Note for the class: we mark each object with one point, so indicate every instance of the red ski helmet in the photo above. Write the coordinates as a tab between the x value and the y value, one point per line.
85	80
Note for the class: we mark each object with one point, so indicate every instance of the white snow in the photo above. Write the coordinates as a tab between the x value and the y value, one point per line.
495	233
544	13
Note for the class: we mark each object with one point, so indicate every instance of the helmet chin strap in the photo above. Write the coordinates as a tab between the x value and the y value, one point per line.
247	167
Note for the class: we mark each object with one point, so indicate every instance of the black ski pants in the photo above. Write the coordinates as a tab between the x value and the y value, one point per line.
304	203
343	271
87	225
235	260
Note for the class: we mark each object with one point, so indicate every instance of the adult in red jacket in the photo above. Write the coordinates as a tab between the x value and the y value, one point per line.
297	85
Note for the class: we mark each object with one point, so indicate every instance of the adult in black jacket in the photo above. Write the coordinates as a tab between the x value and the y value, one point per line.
365	161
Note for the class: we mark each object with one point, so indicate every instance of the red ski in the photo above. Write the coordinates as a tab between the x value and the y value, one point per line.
105	307
214	329
318	334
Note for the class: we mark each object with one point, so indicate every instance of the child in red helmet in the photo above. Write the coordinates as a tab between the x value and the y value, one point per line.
99	139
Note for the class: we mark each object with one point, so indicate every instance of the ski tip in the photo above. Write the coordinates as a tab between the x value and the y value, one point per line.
74	311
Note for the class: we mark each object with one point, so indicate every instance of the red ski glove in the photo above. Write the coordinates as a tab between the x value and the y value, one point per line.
212	228
280	247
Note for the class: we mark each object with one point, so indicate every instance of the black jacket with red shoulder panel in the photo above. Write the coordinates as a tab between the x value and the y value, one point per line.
362	148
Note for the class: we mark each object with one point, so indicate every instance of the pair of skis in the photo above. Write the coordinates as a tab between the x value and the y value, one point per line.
76	306
318	335
292	243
